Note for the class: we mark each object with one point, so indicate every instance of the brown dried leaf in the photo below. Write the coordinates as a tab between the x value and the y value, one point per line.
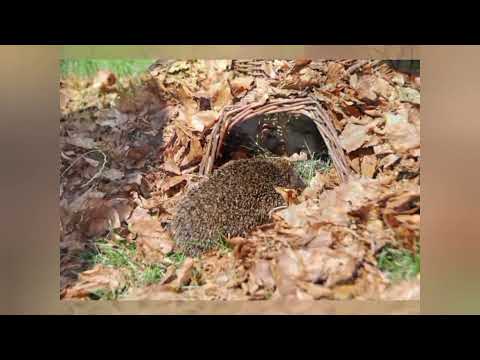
327	266
302	156
100	278
414	117
169	275
335	72
365	88
354	136
322	239
315	188
267	67
241	85
195	153
316	291
262	274
152	240
170	166
203	120
99	218
369	164
139	152
220	95
294	216
185	97
382	149
64	98
290	196
178	66
81	141
388	161
81	201
184	274
409	95
123	207
401	134
113	174
288	269
353	81
355	164
382	88
407	290
299	65
157	292
171	182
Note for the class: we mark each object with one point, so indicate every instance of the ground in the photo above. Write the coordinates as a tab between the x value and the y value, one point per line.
131	139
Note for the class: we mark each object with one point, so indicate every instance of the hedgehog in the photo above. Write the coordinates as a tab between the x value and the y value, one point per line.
234	200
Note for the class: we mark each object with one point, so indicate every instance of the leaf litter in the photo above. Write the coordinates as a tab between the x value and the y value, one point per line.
131	147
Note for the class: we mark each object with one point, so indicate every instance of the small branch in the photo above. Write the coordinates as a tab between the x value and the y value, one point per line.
100	171
82	157
75	161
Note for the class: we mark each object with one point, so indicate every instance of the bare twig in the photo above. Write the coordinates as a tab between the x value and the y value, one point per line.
98	172
75	161
83	157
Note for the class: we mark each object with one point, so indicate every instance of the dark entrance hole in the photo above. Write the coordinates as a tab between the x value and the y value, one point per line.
281	134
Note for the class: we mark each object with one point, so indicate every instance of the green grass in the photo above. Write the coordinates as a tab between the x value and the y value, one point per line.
223	244
307	169
121	255
176	258
398	264
152	274
89	67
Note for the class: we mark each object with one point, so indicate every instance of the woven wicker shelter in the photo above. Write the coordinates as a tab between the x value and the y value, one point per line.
307	105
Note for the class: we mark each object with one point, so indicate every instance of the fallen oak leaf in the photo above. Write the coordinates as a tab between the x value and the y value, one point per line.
241	85
389	161
261	274
81	141
409	95
288	268
299	65
184	274
112	174
221	95
195	153
172	182
169	275
162	292
99	219
335	72
401	134
316	291
326	266
170	166
100	278
290	196
368	165
153	241
203	120
353	137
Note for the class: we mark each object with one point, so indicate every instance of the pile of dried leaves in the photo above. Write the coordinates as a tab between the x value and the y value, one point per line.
130	149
